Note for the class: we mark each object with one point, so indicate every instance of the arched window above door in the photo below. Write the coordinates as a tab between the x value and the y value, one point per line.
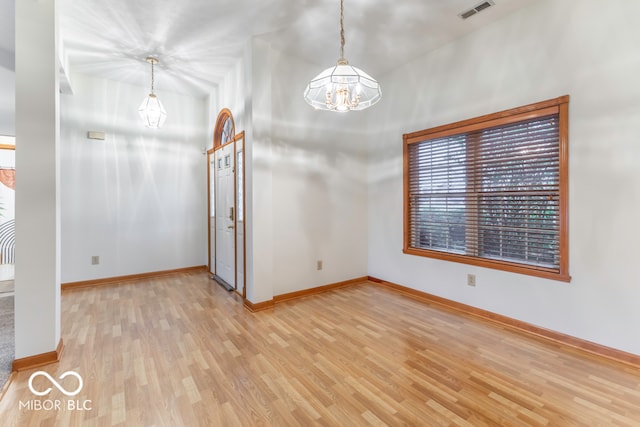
224	130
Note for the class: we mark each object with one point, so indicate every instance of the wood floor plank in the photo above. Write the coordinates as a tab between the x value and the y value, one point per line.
179	350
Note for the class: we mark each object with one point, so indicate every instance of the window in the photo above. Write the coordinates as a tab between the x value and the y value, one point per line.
240	185
224	130
492	191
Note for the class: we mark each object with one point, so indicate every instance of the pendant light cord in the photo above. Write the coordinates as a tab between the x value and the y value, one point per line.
341	29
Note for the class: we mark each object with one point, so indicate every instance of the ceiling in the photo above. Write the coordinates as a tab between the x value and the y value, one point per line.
198	41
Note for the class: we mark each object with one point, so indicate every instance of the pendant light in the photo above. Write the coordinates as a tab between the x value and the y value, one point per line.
342	87
151	110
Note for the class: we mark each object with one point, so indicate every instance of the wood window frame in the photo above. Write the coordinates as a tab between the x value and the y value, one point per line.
558	106
223	116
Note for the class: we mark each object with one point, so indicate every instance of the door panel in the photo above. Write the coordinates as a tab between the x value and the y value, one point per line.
225	214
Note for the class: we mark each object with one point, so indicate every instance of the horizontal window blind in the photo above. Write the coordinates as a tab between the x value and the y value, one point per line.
490	193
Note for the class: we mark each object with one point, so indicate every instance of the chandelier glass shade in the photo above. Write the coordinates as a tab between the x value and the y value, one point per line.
342	87
151	110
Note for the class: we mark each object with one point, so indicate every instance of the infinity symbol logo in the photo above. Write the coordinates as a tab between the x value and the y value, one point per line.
55	383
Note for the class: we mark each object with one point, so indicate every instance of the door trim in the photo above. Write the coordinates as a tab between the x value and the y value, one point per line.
244	214
223	116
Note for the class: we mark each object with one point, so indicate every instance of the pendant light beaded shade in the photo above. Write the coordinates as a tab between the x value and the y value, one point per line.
151	110
342	87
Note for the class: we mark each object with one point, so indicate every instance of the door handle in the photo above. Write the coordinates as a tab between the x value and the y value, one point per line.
231	213
230	226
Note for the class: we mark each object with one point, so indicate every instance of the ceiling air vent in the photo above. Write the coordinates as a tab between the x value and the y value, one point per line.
476	9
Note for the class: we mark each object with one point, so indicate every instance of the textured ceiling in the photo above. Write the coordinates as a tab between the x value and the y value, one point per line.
197	41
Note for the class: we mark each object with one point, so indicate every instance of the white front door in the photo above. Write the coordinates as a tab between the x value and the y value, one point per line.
225	214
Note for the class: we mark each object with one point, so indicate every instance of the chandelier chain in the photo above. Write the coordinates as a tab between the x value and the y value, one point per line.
152	77
341	29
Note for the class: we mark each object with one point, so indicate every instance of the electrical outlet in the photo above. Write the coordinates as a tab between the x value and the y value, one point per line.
95	260
471	279
319	265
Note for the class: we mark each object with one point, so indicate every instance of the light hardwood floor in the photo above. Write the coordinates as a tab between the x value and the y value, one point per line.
181	351
6	288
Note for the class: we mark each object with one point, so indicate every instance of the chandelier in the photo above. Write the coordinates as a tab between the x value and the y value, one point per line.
151	110
342	87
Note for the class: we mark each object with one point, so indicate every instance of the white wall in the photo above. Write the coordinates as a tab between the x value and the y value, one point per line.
306	181
232	94
260	203
213	108
138	198
319	185
7	101
37	267
582	48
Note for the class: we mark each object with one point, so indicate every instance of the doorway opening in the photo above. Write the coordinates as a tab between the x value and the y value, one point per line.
7	207
226	205
7	255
